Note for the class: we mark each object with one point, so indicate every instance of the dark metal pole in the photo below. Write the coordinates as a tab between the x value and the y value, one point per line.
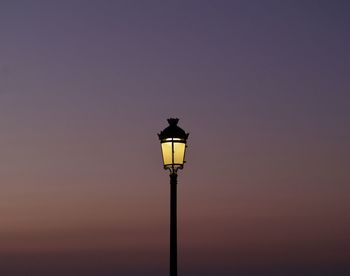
173	225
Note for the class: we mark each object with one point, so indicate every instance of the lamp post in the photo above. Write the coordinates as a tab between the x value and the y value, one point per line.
173	143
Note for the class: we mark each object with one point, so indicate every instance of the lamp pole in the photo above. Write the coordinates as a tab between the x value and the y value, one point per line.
173	140
173	224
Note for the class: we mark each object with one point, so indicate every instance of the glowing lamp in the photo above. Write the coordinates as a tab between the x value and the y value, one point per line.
173	144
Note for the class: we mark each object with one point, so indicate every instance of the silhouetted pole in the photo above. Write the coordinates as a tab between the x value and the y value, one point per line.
173	225
173	141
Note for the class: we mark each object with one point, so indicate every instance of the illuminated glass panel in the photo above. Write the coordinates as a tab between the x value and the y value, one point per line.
167	153
179	153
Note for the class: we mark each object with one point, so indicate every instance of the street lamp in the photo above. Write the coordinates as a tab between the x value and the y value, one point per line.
173	143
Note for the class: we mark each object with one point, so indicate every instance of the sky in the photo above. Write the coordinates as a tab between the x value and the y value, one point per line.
261	86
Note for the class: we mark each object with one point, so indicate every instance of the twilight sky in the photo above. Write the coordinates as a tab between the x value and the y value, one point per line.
263	88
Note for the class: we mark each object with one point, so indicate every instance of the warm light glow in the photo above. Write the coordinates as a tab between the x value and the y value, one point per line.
173	152
167	153
179	153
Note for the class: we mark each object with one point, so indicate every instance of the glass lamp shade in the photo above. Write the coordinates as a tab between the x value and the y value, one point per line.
173	144
173	152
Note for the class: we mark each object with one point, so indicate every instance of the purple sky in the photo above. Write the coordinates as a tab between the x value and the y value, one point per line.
263	88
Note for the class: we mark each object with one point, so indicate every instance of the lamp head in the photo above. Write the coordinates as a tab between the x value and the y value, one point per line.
173	140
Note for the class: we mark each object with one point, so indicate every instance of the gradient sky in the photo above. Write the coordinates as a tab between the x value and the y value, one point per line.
263	88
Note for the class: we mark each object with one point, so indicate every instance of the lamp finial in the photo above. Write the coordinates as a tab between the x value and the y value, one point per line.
173	121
